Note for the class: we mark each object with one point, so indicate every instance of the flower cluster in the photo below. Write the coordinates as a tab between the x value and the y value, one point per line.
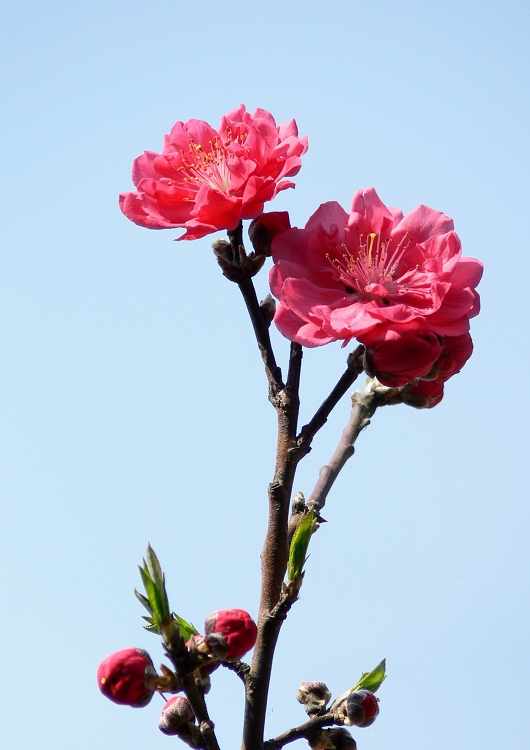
129	677
398	284
205	179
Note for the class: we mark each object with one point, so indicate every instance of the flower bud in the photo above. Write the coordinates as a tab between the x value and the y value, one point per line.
423	394
128	677
332	739
230	633
176	712
267	308
398	355
265	227
360	708
314	695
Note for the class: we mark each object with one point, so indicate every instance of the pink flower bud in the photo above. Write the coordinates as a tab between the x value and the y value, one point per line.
128	677
361	708
230	633
176	712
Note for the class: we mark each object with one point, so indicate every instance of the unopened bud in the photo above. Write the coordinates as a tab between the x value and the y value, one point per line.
314	695
128	677
230	633
267	308
423	394
176	712
360	709
333	739
265	227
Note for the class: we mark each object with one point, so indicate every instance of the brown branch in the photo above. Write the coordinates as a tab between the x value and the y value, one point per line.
364	406
348	378
198	705
240	268
239	667
304	731
185	662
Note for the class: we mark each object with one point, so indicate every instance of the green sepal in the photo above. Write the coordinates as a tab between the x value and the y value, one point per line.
299	545
372	680
186	628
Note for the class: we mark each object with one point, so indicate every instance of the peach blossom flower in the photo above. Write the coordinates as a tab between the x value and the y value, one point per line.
205	179
397	284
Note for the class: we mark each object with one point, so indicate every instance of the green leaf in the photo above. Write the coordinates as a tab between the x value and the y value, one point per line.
141	598
299	545
186	628
372	680
152	593
152	629
159	581
156	601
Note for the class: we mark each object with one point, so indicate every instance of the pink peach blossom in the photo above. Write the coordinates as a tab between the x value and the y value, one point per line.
205	179
398	284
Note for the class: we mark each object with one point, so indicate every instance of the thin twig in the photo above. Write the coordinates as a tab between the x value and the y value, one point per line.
239	667
347	379
364	406
295	366
304	731
198	705
261	331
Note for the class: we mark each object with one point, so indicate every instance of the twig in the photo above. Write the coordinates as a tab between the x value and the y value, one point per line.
239	667
198	705
261	331
353	370
304	731
295	366
364	405
185	664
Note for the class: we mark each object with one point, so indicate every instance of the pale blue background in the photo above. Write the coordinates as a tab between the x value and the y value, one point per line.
133	403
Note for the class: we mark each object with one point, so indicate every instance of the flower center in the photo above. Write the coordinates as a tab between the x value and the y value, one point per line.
201	166
371	272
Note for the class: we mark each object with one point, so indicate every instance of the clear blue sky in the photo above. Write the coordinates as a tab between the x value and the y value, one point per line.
133	403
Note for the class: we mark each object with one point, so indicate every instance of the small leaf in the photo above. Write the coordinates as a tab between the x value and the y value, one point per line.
299	545
186	628
141	598
372	680
159	581
152	629
152	593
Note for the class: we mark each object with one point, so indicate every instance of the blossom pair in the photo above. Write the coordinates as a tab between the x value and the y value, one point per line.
397	284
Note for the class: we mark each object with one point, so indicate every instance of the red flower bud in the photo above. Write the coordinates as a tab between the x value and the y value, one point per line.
128	677
398	355
423	394
230	633
176	712
456	350
361	708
